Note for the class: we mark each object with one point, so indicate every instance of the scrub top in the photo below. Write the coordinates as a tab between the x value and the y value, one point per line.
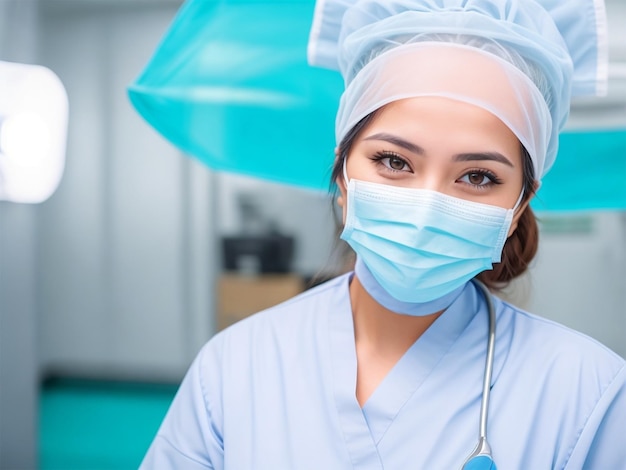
277	391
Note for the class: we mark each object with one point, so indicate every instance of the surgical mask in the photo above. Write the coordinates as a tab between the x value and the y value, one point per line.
414	309
421	245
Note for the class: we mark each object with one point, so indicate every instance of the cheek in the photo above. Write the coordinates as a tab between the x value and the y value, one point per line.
359	165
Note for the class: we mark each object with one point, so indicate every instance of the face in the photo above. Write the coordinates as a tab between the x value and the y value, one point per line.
442	145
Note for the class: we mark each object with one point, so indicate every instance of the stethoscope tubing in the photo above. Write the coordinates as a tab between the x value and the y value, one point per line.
482	451
491	343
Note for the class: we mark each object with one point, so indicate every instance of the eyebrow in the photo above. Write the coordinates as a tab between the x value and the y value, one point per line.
461	157
494	156
395	140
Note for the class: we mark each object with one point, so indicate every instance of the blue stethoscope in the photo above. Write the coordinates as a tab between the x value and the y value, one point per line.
480	458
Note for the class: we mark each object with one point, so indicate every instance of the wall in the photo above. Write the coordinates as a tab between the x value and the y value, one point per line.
579	276
306	215
18	225
126	253
128	244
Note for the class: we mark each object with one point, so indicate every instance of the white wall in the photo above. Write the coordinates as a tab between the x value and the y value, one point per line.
128	243
126	255
304	214
579	275
18	308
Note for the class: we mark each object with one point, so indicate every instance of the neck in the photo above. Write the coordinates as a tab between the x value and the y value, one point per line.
381	336
382	329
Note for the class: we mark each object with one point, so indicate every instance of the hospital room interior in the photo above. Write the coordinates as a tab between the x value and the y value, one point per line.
140	252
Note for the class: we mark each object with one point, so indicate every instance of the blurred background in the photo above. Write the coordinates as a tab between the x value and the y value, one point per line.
110	287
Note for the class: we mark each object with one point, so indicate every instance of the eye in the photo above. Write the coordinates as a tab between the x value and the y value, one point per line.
480	178
392	161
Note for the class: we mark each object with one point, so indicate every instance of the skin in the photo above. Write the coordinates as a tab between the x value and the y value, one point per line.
431	143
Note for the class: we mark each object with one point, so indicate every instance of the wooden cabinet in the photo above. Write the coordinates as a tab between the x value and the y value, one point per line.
240	296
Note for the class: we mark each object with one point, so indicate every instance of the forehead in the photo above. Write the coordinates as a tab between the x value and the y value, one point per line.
431	109
444	125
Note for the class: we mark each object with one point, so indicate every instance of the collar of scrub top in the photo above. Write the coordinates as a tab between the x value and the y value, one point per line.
565	40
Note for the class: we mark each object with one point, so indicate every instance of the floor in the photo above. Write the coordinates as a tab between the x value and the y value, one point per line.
93	425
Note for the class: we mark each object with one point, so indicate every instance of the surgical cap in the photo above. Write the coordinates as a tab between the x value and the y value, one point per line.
521	60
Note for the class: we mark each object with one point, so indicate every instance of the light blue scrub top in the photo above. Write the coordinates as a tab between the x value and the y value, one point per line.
277	391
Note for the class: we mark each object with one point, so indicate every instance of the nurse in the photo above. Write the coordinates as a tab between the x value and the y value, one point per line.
449	120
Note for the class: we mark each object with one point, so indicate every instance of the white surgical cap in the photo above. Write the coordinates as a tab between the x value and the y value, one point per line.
521	60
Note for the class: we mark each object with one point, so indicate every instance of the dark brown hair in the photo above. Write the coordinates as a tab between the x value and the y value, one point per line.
520	248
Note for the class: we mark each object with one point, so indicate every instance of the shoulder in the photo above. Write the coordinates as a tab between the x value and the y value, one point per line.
559	385
552	354
308	307
254	353
295	323
568	368
553	342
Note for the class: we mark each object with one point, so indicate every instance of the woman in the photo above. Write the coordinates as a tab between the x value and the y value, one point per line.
449	120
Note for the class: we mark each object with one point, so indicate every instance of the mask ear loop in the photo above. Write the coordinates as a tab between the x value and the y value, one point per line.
518	202
345	172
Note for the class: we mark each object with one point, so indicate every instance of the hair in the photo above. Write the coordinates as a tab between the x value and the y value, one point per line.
519	249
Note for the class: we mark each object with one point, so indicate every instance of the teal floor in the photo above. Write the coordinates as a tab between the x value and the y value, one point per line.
92	425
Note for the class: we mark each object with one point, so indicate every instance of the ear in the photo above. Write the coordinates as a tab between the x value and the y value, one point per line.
340	199
341	184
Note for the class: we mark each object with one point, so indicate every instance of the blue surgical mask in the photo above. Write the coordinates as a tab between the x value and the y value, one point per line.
421	245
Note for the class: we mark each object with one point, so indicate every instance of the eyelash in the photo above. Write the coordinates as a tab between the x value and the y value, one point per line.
386	155
492	177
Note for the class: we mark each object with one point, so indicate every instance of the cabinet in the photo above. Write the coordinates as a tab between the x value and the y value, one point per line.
242	295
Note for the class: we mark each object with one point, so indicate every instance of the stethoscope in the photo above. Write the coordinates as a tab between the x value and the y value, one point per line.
480	458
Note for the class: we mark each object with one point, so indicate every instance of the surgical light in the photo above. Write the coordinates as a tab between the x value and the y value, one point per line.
33	132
